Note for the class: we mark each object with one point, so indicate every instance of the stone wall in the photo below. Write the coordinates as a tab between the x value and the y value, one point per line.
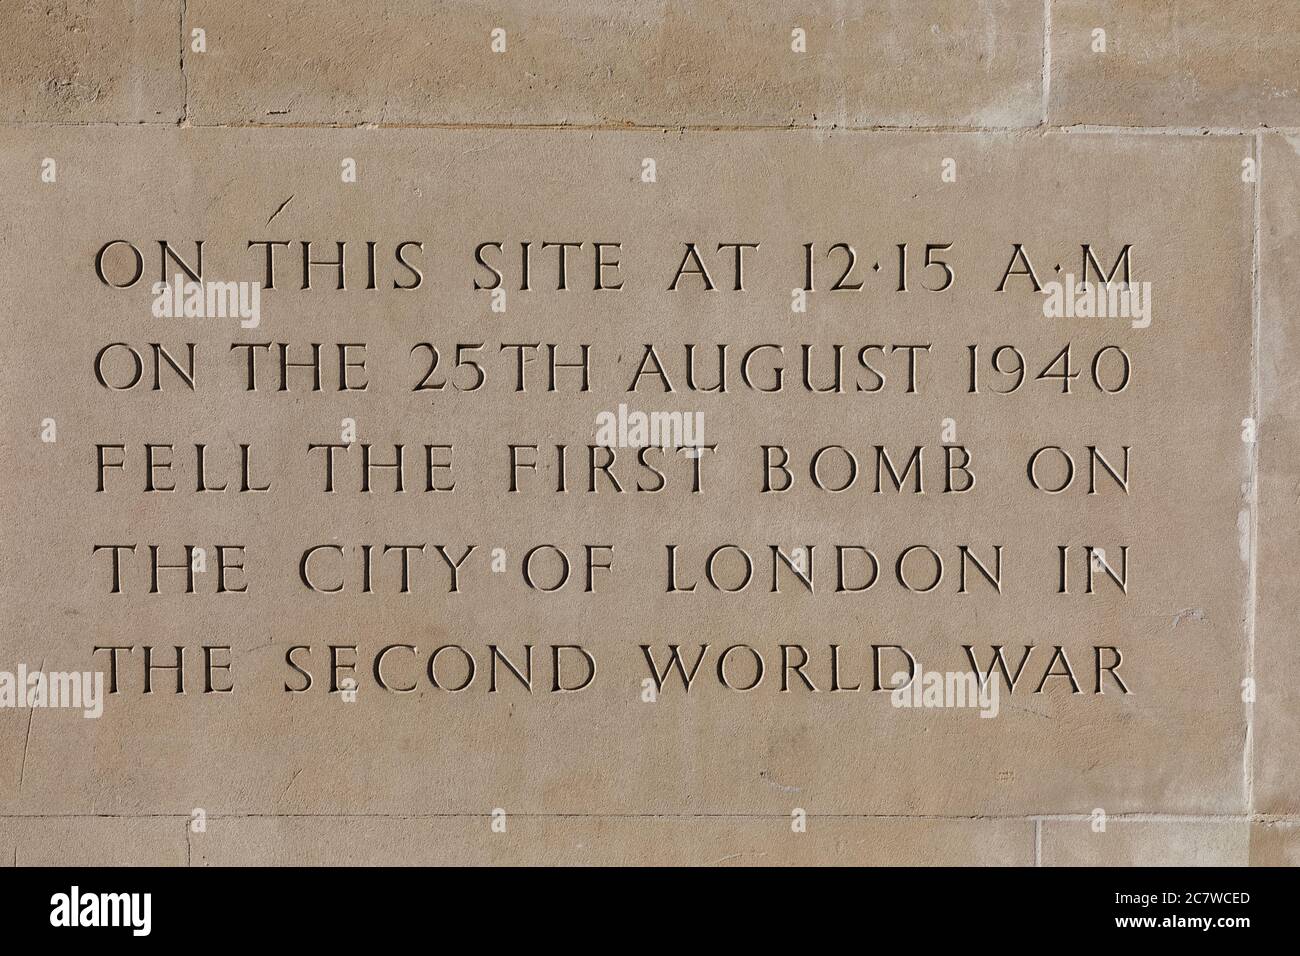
1045	124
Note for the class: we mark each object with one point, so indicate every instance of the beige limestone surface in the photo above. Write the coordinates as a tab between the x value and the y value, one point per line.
79	61
625	61
1191	63
1277	781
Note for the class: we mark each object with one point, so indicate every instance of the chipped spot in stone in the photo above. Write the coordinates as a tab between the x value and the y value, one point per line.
1194	614
766	778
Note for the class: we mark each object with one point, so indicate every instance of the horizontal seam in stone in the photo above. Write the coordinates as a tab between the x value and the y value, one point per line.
1133	817
1197	131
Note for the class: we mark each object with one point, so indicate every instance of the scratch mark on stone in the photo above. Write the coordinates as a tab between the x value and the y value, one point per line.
27	739
22	767
733	856
1030	710
280	209
1196	614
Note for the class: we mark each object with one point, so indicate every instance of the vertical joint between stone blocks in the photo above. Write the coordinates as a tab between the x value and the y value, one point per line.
1047	56
1256	408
